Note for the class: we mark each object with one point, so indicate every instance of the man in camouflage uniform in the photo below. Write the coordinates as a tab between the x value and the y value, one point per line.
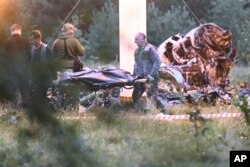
147	64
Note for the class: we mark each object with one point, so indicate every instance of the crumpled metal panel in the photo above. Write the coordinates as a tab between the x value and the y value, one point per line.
172	74
204	55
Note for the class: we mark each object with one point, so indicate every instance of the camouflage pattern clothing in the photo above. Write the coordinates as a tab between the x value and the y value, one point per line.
147	64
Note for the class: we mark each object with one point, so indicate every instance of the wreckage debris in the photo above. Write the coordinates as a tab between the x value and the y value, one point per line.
204	55
195	67
198	63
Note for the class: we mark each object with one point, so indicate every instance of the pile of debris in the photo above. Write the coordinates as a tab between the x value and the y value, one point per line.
195	68
204	55
199	62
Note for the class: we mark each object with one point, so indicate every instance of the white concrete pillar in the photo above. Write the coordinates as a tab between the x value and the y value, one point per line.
132	19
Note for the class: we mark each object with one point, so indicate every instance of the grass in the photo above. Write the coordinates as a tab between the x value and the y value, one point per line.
127	141
165	144
240	73
115	139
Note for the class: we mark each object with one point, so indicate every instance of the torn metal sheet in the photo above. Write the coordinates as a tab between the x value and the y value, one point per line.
172	75
204	55
199	63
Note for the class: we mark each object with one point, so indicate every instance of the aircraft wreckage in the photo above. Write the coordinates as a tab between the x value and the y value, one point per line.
197	64
195	67
204	55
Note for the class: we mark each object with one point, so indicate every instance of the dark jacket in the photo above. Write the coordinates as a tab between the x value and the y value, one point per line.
42	63
17	50
17	47
74	48
147	61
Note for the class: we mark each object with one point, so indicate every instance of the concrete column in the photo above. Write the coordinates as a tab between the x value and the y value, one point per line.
132	19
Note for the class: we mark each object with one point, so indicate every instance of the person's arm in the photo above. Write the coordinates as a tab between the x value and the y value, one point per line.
55	50
51	63
154	57
79	48
49	54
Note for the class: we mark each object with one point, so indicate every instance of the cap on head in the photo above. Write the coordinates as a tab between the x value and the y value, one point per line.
68	26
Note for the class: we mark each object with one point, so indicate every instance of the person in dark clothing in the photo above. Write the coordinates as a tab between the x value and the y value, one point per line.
42	70
17	50
67	49
147	64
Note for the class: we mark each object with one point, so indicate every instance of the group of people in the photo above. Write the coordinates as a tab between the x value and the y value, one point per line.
32	65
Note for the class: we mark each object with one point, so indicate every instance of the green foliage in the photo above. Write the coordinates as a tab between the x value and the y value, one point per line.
232	15
240	73
177	20
198	7
103	34
174	21
243	104
154	28
128	141
39	140
164	5
243	44
113	139
45	15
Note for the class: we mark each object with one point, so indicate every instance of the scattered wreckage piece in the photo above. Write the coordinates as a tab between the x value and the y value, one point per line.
101	98
171	79
204	55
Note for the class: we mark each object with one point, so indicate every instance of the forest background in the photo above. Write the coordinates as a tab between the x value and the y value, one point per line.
37	138
98	22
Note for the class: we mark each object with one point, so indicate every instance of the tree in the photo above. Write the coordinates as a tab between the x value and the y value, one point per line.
46	15
198	7
154	29
174	21
103	36
164	5
232	15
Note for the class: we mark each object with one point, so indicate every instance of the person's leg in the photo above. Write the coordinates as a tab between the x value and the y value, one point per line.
139	89
12	86
73	97
154	99
68	93
152	93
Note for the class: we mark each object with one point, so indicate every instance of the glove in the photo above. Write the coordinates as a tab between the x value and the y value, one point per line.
150	78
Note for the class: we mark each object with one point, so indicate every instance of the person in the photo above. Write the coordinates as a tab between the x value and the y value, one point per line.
66	48
17	50
42	68
147	65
